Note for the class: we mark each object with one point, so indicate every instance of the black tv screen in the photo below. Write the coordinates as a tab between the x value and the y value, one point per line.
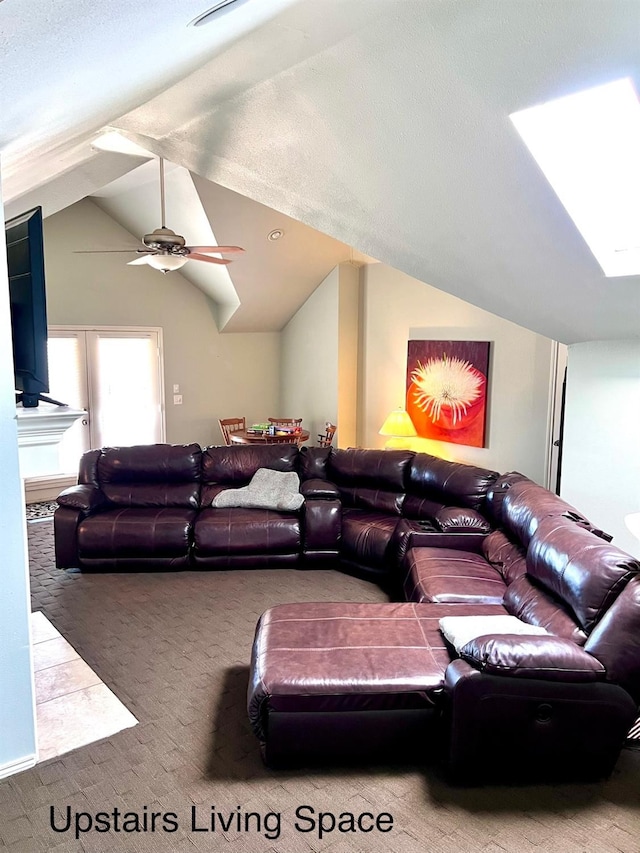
25	261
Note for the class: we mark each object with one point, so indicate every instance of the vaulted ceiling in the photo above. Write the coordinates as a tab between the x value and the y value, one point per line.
383	124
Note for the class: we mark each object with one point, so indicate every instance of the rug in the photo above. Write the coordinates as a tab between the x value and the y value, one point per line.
41	511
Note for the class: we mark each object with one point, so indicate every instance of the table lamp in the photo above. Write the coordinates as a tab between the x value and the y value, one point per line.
400	427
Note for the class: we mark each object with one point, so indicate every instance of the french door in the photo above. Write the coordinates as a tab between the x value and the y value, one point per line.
116	375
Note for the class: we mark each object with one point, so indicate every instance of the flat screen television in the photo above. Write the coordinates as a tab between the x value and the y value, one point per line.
25	262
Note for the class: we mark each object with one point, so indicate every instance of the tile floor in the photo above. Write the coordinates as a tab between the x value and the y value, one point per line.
73	706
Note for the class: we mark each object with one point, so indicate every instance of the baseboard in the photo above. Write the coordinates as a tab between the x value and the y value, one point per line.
18	766
47	488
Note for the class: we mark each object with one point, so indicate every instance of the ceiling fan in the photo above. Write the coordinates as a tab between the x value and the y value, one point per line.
165	250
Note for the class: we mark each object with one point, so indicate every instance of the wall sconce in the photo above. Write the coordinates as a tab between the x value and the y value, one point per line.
400	427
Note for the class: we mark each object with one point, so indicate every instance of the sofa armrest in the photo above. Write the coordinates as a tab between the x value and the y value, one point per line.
460	540
85	498
548	658
503	728
317	489
461	520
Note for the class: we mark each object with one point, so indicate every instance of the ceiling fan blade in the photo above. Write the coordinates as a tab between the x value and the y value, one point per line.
143	260
215	250
195	257
103	251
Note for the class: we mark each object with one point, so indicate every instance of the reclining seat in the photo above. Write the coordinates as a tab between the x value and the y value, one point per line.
556	706
334	682
515	506
133	509
371	485
244	537
378	680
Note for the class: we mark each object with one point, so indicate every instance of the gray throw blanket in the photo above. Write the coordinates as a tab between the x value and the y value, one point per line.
267	490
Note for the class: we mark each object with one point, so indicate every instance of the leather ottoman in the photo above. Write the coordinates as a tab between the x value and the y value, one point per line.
343	682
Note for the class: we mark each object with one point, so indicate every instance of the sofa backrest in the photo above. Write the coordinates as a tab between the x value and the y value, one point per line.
530	602
434	483
615	640
518	504
148	475
313	462
586	573
370	479
234	466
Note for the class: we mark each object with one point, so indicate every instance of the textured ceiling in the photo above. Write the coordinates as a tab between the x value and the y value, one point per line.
382	123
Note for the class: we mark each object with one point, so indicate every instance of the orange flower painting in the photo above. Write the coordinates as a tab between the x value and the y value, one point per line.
447	390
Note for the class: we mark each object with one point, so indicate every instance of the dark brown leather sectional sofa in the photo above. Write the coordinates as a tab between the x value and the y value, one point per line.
331	681
149	507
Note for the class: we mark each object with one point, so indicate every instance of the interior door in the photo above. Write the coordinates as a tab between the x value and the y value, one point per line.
559	379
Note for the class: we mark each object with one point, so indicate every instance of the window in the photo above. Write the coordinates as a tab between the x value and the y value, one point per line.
588	146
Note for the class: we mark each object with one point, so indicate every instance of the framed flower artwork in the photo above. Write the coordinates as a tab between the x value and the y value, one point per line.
447	390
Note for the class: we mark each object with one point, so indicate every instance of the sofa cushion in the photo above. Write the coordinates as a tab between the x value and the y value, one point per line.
378	500
370	479
237	531
435	480
149	463
154	475
234	466
277	490
585	572
450	576
518	505
548	658
312	462
529	601
497	492
366	536
136	532
509	558
460	630
370	469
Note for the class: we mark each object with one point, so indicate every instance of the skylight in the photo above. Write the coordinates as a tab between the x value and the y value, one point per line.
588	146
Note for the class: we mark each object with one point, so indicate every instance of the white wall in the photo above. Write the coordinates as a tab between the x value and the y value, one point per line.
309	358
17	715
601	456
398	308
220	375
320	357
349	346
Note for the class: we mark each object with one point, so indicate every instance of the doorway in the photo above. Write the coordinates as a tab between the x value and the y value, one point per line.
556	417
116	376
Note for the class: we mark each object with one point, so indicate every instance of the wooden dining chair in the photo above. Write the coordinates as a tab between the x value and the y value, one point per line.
325	439
285	421
229	425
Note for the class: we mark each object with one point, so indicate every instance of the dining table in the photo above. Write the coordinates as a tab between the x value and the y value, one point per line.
243	436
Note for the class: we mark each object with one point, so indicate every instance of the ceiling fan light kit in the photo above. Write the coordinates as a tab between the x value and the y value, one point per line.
166	263
167	251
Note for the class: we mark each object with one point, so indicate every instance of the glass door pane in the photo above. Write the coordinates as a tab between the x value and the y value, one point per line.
68	384
125	380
